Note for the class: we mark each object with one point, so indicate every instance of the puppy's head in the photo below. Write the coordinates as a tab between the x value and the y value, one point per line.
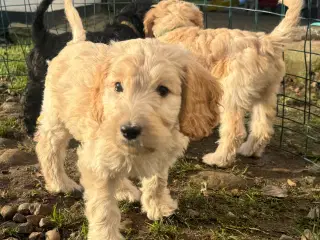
168	15
149	91
134	13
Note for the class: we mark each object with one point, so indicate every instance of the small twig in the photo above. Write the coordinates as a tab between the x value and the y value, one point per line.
237	230
245	170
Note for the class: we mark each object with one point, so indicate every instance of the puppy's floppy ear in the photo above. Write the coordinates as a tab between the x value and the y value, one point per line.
148	22
201	94
97	91
197	19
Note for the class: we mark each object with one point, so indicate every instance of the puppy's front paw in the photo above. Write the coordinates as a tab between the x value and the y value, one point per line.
65	186
252	149
107	234
246	149
218	160
158	208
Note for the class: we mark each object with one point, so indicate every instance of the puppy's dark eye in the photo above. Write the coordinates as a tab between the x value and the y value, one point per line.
163	91
118	87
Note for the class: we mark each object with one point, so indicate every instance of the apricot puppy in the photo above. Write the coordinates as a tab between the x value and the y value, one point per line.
132	105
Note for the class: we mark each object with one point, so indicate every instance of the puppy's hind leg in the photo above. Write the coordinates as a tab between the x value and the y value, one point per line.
261	127
232	134
51	151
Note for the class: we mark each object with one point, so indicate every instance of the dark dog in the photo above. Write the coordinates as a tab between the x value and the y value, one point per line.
128	24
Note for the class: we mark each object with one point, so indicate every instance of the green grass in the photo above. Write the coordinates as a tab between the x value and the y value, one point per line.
58	217
126	206
163	231
312	224
8	126
226	234
12	231
13	69
84	230
183	167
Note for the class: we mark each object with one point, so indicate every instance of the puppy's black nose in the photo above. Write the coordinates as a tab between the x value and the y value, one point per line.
130	132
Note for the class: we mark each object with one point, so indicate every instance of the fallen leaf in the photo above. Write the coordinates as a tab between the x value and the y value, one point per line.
231	214
307	235
274	191
314	213
291	183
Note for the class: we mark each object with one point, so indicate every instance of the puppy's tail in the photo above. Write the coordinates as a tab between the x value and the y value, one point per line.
284	32
39	31
78	32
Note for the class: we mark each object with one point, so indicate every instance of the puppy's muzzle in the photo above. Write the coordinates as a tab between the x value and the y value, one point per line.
130	131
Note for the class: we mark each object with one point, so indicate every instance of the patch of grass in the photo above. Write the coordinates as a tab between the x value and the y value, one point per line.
224	234
84	229
18	84
34	193
316	196
184	166
312	224
13	69
8	126
29	148
239	171
69	217
230	216
251	196
193	199
58	217
11	231
126	206
163	231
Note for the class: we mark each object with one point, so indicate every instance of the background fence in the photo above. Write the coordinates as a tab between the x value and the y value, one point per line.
298	109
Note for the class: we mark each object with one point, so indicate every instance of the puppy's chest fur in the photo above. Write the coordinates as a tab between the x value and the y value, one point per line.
112	161
149	164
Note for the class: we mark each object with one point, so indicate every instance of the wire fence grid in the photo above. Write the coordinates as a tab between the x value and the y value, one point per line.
298	109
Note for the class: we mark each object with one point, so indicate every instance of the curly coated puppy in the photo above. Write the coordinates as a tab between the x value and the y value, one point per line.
128	24
132	105
249	66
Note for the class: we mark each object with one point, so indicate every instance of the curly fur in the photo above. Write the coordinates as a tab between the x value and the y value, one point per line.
90	109
47	45
249	66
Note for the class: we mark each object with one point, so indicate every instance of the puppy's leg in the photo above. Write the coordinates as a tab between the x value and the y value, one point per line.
101	207
51	150
155	199
127	191
261	127
232	134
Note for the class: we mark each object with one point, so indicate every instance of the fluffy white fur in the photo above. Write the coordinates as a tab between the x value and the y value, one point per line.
249	66
80	100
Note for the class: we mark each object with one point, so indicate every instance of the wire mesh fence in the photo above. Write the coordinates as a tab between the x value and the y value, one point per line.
298	108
